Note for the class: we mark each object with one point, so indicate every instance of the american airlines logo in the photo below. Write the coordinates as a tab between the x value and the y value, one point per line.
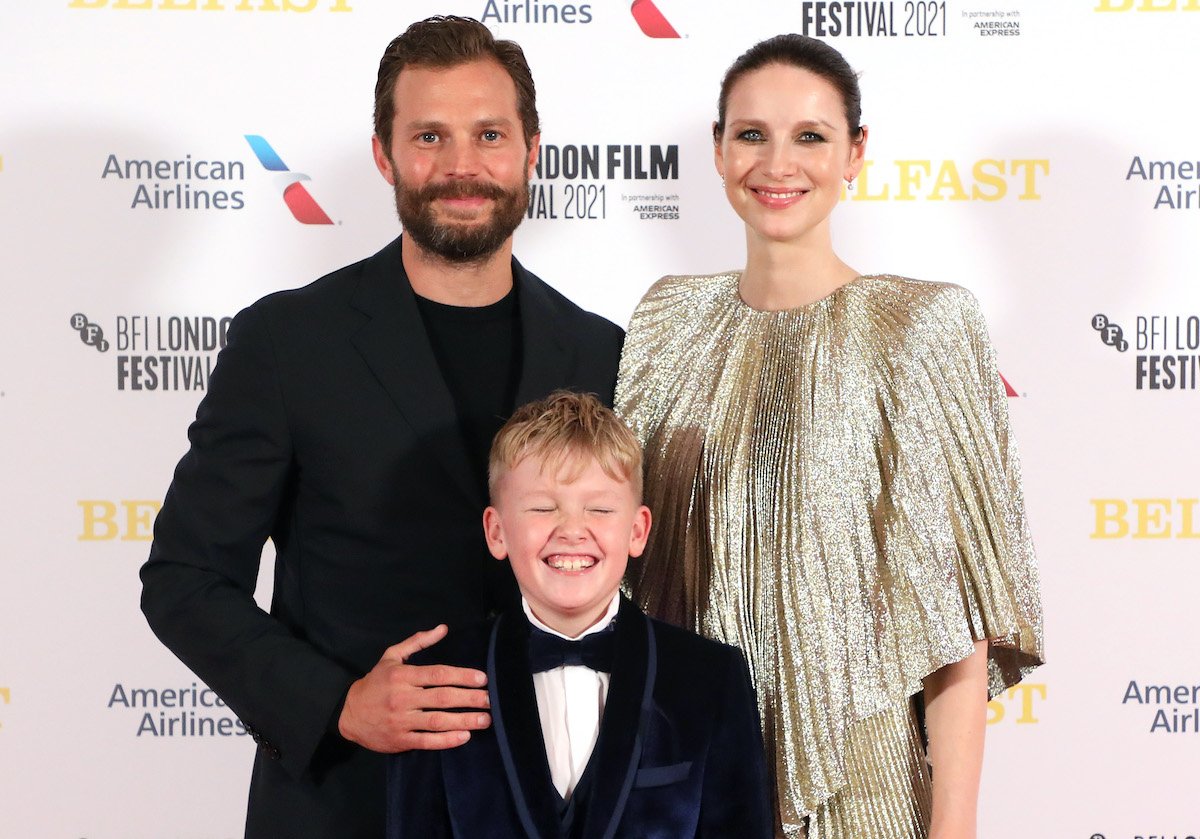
297	198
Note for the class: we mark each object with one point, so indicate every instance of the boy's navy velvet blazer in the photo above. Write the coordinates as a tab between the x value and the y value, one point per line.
679	752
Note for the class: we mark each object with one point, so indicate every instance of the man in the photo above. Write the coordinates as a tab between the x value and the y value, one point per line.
349	421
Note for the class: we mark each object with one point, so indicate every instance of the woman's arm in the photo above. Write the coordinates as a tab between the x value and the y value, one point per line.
955	716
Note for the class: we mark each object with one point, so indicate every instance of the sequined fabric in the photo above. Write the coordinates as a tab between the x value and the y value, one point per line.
834	491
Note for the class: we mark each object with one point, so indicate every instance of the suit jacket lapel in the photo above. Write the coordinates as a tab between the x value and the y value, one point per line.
519	729
395	346
546	355
618	749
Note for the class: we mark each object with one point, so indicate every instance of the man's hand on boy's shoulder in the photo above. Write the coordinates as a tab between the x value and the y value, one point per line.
400	706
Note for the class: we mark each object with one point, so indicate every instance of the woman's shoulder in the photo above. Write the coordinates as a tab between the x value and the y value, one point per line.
675	288
916	299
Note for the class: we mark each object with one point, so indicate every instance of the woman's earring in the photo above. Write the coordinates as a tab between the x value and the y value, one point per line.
850	184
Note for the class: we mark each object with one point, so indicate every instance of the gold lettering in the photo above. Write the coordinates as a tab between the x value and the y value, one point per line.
1031	167
213	5
948	178
1187	518
139	520
1027	692
7	697
1150	514
996	180
1157	6
99	521
1112	6
1110	511
864	187
910	179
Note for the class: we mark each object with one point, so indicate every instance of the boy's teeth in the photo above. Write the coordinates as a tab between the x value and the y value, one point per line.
578	563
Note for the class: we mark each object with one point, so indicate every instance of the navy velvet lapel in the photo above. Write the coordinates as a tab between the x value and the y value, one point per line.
546	357
614	761
395	346
518	728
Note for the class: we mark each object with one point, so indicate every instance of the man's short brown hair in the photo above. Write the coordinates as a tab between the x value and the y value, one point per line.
566	427
447	41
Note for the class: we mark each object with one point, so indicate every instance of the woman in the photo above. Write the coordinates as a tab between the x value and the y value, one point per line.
833	484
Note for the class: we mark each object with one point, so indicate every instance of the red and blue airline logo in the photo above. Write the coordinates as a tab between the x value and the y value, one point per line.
298	199
651	20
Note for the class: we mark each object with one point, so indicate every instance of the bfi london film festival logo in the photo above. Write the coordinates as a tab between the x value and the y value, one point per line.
198	183
158	352
909	19
587	182
1166	348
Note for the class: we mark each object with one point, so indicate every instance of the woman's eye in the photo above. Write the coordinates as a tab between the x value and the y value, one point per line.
751	135
810	137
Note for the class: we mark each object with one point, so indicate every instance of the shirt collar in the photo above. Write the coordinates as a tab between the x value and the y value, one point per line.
607	618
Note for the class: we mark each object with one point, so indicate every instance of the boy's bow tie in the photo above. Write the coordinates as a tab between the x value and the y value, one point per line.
547	651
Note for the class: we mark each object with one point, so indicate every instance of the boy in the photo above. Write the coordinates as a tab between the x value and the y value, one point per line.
605	723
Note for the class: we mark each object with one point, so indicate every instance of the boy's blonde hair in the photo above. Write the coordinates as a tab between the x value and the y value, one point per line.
566	427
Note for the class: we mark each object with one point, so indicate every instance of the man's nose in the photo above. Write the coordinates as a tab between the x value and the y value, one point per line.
462	159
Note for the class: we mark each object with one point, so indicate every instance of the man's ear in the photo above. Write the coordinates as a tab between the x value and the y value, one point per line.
493	532
640	532
382	162
535	143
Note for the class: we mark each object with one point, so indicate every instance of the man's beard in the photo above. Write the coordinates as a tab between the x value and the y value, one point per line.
461	242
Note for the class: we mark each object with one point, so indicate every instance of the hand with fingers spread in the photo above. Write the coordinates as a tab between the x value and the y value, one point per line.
399	706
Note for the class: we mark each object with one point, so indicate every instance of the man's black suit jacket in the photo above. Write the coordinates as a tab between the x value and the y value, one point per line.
329	429
679	754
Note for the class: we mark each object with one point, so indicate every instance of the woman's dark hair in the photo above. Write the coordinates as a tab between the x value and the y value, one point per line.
796	51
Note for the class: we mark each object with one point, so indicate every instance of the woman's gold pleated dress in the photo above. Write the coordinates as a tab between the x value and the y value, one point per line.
835	492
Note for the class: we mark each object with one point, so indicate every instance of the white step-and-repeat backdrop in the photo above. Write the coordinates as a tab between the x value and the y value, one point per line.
1043	153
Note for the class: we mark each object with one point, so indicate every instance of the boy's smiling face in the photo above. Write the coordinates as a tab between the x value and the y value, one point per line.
568	530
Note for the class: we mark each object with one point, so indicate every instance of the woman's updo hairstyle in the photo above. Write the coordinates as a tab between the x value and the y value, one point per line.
805	53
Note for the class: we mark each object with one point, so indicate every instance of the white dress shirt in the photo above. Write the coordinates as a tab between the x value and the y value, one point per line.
570	703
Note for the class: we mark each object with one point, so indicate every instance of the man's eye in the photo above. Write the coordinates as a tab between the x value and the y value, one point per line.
491	136
427	137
